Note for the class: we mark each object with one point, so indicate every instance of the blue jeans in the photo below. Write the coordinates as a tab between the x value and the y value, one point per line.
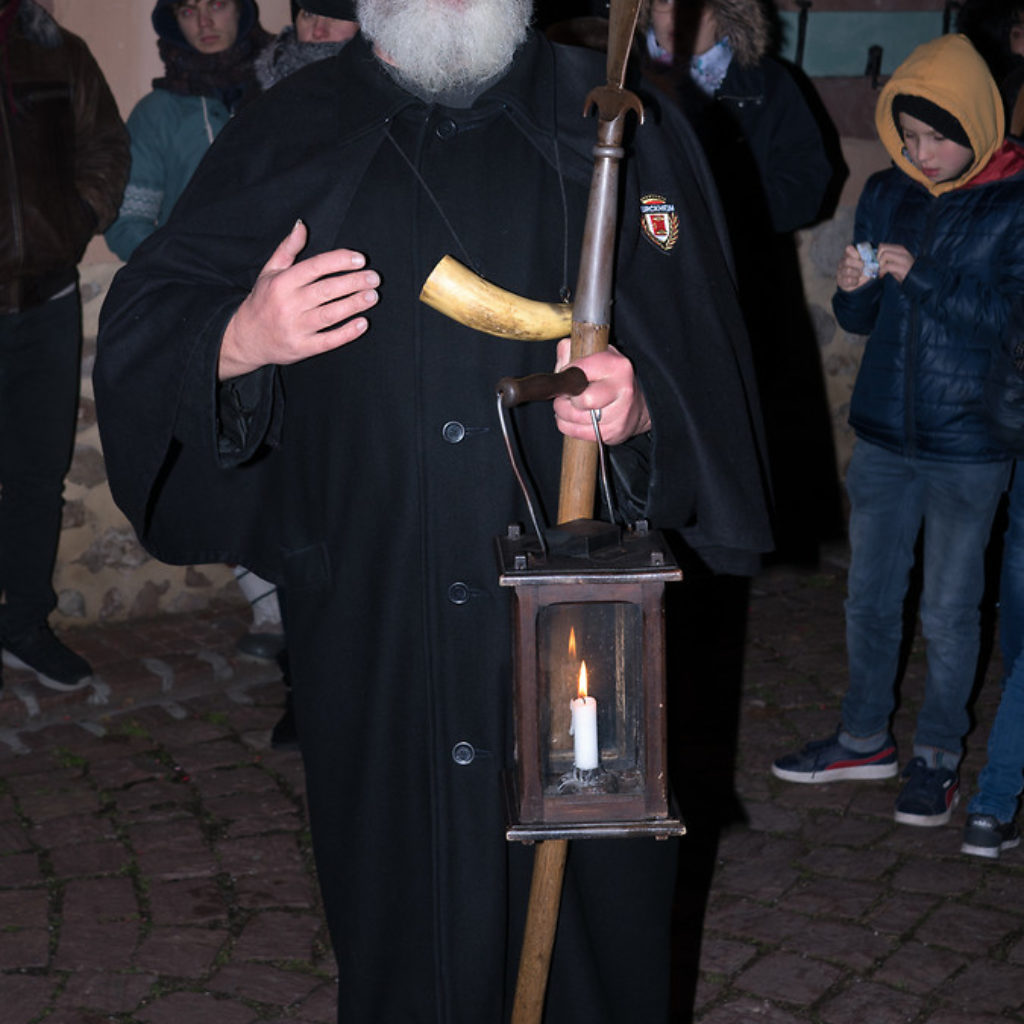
891	496
1011	585
40	373
1002	778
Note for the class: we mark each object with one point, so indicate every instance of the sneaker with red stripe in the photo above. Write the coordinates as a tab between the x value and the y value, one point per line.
928	796
831	761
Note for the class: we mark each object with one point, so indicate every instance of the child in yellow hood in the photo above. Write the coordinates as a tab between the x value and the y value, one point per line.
934	278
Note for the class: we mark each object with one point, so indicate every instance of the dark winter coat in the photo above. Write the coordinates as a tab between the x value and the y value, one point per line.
63	157
372	480
921	382
920	388
766	149
774	158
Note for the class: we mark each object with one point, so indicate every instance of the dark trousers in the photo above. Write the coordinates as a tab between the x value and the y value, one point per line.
40	371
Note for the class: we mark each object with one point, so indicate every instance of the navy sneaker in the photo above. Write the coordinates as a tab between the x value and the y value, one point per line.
831	761
928	796
986	836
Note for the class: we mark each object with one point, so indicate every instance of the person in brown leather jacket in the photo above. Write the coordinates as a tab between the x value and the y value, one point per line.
64	159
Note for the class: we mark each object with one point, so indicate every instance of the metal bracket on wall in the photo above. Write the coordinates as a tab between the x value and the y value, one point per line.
874	64
801	31
952	8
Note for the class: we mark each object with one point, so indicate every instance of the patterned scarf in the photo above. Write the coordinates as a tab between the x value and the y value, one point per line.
708	70
287	55
654	49
229	76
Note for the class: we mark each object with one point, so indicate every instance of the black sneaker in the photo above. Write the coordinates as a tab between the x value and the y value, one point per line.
831	761
986	836
928	796
57	666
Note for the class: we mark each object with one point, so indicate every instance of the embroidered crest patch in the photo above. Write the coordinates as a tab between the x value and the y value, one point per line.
659	220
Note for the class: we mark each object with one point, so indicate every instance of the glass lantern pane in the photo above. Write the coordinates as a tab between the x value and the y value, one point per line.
596	645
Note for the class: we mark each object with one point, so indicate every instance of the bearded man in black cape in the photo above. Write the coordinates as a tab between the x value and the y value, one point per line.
291	406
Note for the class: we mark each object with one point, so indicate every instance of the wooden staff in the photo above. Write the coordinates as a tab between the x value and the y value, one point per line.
458	293
590	326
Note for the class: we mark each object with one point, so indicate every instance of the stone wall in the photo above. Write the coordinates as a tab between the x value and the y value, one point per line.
820	250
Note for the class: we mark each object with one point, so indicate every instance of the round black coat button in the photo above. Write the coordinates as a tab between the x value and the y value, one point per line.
453	431
446	128
458	593
463	753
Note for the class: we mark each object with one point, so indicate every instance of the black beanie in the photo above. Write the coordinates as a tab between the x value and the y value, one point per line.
343	9
932	114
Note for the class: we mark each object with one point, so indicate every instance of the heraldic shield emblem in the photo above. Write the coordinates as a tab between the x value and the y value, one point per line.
660	221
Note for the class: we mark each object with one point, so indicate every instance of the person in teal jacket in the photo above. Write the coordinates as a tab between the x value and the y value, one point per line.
208	48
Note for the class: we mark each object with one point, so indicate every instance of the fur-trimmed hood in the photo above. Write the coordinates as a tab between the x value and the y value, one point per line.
743	21
746	25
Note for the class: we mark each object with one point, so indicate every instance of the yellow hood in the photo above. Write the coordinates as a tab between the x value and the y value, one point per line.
949	72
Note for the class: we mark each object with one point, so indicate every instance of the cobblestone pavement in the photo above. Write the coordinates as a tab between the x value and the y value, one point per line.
155	866
821	907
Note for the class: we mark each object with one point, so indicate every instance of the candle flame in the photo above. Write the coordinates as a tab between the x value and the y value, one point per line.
572	641
582	688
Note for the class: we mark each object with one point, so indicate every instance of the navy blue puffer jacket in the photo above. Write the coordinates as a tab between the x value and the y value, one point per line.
921	382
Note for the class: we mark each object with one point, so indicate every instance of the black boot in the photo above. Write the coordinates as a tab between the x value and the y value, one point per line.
284	735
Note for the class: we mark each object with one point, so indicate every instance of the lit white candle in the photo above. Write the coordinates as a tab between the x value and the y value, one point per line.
586	755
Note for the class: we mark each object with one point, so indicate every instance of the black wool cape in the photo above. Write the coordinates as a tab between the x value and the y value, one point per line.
371	482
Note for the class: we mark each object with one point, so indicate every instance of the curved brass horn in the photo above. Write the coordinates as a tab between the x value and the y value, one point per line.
458	293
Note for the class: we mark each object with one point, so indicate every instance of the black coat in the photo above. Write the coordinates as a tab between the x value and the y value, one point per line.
775	159
371	481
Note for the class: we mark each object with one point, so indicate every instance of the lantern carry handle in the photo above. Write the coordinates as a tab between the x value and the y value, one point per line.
540	387
536	387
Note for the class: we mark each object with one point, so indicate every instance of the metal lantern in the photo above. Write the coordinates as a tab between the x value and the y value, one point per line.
589	663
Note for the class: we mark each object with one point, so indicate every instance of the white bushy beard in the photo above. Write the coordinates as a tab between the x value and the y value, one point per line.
439	46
